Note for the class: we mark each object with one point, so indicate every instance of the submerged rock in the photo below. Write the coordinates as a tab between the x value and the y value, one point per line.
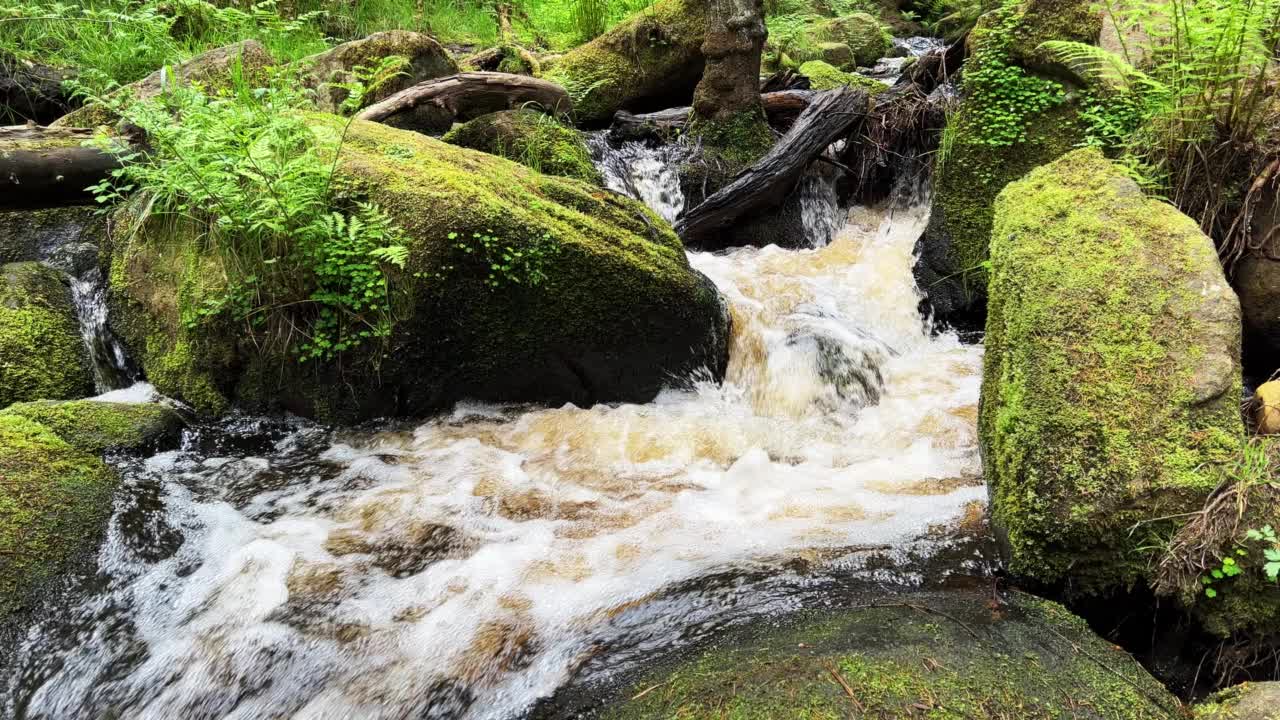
530	138
214	69
427	59
42	355
650	61
54	500
949	655
618	313
1111	387
96	427
1016	114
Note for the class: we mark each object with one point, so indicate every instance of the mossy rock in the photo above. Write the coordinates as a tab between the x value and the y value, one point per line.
974	164
866	37
650	61
927	655
1111	385
823	76
1246	701
42	355
530	138
96	427
426	58
30	234
619	313
214	69
837	55
54	500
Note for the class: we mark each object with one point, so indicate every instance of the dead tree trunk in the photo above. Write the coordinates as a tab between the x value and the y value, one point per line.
767	183
44	167
433	106
734	40
780	107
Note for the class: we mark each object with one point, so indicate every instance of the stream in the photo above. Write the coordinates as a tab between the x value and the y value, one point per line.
469	565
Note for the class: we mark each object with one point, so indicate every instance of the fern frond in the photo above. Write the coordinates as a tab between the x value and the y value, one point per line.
1098	64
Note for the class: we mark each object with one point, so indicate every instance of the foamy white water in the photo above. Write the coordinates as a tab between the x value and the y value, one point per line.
465	567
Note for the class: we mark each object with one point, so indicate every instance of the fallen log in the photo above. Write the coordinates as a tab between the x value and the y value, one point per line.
433	106
781	107
42	167
767	183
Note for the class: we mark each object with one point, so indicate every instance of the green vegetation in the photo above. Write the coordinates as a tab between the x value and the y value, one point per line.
531	138
95	427
1110	399
54	500
943	656
823	76
41	353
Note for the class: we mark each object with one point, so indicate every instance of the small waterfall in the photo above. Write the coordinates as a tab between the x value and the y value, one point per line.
889	69
112	367
648	173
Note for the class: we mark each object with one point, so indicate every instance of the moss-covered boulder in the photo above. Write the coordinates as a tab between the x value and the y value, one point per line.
54	500
866	38
823	76
1017	113
650	61
1111	386
935	655
95	427
42	355
214	69
426	59
31	234
1247	701
616	315
530	138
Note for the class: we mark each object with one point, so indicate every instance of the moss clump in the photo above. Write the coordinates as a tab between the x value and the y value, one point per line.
426	59
653	58
213	69
823	76
1246	701
1016	115
734	142
54	500
616	314
96	427
1111	384
866	37
1029	660
41	353
530	138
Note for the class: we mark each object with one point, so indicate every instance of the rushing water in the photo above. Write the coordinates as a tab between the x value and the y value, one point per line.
111	365
469	565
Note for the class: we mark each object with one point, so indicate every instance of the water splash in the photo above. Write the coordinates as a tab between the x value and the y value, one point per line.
648	173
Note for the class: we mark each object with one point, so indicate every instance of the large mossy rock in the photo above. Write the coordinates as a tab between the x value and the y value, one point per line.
531	138
1017	113
619	313
96	427
214	69
426	60
54	500
937	655
866	38
650	61
1111	386
42	356
1247	701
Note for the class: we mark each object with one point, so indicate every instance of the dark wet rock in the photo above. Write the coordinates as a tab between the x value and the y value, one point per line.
35	234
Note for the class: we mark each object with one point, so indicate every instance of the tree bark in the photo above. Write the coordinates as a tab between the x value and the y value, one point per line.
732	46
44	167
433	106
767	183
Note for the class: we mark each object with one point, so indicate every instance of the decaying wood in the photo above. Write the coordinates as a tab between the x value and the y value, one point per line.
935	68
43	167
781	108
784	80
767	183
434	105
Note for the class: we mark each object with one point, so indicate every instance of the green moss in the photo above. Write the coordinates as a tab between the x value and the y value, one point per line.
425	59
823	76
736	141
618	313
1030	660
54	500
1246	701
1111	382
866	37
653	55
41	353
95	427
530	138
